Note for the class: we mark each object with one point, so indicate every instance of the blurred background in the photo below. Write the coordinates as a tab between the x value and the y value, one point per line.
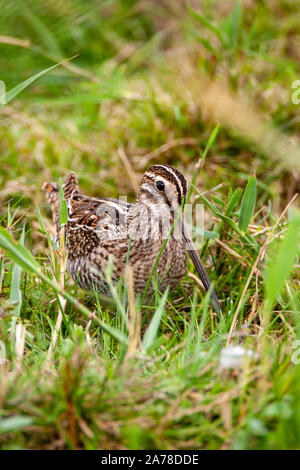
148	82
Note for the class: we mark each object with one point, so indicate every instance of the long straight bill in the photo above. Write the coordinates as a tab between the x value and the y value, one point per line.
191	248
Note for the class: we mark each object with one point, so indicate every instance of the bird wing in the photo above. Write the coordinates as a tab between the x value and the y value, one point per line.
106	218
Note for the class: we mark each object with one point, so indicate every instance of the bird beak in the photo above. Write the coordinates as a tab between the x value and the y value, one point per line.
191	248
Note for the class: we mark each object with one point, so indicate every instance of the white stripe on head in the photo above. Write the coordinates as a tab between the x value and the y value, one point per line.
173	173
178	179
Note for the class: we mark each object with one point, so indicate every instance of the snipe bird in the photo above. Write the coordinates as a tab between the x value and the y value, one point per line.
99	230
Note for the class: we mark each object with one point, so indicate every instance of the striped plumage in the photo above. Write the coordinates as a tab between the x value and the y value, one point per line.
101	231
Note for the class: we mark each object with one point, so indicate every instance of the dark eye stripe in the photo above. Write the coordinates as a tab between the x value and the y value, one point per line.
180	176
176	174
167	172
183	182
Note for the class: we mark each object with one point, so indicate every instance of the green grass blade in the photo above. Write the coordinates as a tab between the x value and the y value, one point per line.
235	25
207	44
206	23
1	271
280	266
40	28
63	212
15	423
204	233
210	140
17	89
151	332
248	204
247	239
233	201
209	143
15	291
43	228
18	253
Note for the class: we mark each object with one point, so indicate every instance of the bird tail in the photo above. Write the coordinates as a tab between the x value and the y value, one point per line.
52	193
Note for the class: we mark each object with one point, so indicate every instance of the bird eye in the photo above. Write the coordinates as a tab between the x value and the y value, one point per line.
160	185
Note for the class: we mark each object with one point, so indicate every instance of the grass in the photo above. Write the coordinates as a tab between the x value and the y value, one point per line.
206	87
